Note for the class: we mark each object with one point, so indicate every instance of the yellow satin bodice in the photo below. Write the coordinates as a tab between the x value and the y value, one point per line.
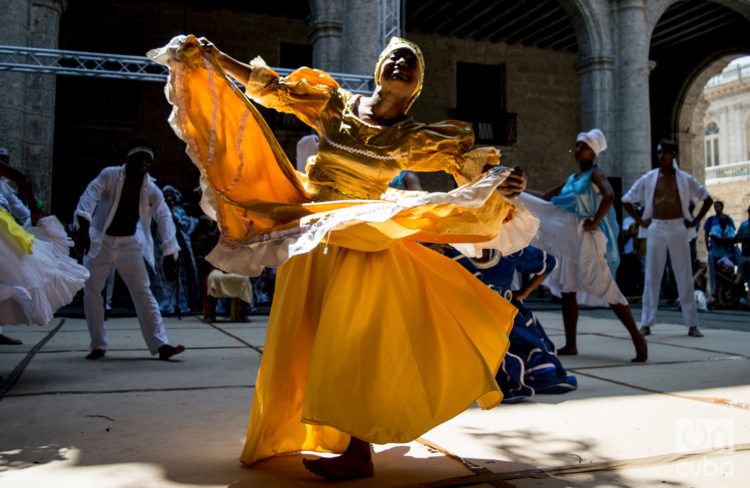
356	159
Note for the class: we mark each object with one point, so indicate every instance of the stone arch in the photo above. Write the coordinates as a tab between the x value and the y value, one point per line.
591	23
676	84
656	8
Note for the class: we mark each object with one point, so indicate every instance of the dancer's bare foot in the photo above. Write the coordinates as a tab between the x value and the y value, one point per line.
641	350
353	464
567	351
341	468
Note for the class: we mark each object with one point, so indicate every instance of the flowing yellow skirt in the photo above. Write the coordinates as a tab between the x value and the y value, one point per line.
381	345
371	334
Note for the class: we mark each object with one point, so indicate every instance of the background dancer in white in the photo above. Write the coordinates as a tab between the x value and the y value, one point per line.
667	225
114	215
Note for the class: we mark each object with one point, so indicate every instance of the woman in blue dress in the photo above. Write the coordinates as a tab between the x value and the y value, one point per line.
579	226
530	365
186	292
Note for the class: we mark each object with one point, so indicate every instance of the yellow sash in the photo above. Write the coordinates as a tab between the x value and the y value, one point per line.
17	233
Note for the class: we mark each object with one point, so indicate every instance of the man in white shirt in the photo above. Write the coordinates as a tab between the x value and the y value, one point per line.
667	225
114	215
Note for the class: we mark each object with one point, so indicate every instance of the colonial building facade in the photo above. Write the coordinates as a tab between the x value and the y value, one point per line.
727	137
529	74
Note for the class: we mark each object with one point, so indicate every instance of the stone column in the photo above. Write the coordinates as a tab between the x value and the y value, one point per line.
12	102
633	107
325	31
735	146
361	36
27	107
597	104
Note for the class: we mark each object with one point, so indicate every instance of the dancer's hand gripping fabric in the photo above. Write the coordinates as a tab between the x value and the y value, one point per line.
514	184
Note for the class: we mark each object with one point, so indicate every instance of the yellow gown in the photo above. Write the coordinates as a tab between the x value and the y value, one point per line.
371	334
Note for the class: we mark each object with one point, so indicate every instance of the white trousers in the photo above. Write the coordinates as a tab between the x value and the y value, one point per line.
125	254
672	236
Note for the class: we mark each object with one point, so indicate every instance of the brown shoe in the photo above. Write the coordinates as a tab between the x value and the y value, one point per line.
645	330
9	341
96	354
166	351
695	332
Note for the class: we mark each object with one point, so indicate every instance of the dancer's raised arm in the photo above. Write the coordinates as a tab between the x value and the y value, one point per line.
236	69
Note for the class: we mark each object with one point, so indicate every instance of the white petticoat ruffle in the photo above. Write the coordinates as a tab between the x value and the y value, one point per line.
273	249
34	286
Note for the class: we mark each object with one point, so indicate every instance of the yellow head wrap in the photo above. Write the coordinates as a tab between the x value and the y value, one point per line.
395	44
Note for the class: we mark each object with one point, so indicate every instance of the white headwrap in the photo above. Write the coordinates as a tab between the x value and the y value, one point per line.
141	149
594	139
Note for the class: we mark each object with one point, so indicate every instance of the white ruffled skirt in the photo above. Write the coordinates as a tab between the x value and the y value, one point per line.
34	286
582	266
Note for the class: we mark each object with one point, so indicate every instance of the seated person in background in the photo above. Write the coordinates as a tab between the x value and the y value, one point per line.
700	275
530	365
729	286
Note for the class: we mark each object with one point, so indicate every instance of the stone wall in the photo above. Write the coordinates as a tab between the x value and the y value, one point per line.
541	87
97	117
27	106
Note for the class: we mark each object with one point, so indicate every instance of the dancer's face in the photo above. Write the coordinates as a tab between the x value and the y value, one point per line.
170	197
139	164
583	152
664	156
400	72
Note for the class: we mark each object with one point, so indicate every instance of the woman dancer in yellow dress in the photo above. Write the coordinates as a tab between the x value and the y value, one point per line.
372	338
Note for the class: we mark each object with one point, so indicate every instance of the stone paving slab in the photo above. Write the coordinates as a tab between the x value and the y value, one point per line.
727	341
126	323
167	439
581	431
609	325
128	370
131	338
252	335
596	351
719	377
709	472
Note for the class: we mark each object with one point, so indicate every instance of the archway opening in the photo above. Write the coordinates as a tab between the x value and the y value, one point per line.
692	42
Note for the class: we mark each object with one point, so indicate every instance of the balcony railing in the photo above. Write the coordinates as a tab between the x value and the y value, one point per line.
739	73
733	170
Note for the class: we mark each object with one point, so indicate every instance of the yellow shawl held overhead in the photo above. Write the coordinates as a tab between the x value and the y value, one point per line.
371	333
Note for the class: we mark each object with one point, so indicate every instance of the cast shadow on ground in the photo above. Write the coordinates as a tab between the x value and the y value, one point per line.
28	456
394	465
520	460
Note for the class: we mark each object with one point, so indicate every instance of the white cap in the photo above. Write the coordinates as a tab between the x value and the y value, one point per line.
141	149
594	139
